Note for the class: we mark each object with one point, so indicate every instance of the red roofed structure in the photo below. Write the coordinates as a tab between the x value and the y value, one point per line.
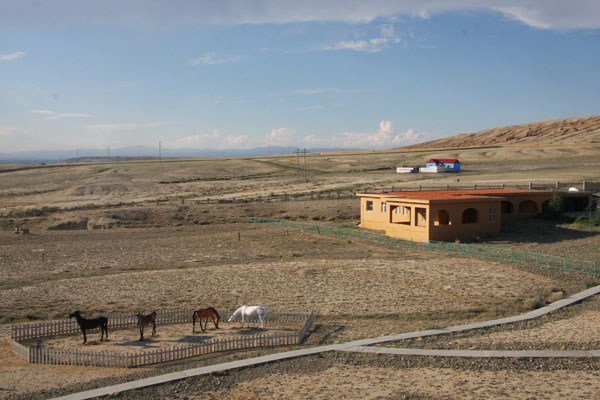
447	214
451	163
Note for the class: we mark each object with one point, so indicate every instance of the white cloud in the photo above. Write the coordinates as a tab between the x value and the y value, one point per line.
312	108
237	141
386	37
213	59
113	128
13	56
356	45
208	59
59	116
554	14
67	115
385	137
213	140
312	91
11	130
52	115
303	92
280	137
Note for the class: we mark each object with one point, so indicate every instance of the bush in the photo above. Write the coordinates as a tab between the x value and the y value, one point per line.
555	206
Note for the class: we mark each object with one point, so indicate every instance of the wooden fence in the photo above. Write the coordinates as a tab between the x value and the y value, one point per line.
41	355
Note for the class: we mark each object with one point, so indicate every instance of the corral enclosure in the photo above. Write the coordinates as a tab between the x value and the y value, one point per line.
171	241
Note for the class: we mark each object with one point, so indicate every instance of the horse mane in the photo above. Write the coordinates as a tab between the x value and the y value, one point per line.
215	311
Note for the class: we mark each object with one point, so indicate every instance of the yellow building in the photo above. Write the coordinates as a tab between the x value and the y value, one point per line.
447	215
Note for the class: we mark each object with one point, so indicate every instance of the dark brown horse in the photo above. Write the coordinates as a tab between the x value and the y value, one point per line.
86	324
144	320
205	314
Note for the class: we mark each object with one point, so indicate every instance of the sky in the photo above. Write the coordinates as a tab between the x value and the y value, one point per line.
236	74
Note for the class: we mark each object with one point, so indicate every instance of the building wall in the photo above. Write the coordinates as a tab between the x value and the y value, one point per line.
412	223
488	219
422	220
454	167
403	226
521	207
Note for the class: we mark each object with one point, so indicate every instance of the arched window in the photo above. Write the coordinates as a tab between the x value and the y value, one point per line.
470	216
527	207
507	207
443	218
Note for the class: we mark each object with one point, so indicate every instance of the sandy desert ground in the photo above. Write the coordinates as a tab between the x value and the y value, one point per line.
164	246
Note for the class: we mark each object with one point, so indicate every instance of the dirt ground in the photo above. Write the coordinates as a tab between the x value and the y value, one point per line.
166	337
117	238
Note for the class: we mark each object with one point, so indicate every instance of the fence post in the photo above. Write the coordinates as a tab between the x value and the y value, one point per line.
564	264
595	268
512	255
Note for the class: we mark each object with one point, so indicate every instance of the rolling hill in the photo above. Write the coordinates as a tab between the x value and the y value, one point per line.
559	131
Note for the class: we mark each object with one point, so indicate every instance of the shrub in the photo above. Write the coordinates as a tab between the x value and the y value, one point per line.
555	206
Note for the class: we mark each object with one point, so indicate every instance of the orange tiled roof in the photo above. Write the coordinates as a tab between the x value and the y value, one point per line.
456	194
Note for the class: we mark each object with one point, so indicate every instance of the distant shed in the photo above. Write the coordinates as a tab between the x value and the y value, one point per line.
452	164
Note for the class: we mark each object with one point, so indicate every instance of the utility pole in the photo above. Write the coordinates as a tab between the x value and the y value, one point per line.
304	151
297	163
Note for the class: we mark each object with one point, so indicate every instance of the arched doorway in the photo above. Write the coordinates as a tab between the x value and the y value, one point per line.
528	207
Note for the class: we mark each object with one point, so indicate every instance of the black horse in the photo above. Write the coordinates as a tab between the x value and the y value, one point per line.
144	320
86	324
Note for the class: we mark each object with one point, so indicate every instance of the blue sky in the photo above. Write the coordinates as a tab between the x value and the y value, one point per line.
242	74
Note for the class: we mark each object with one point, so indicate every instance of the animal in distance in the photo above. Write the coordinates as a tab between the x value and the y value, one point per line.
248	311
144	320
204	314
24	231
86	324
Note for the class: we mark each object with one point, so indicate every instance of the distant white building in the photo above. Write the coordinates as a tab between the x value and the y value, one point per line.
405	170
435	169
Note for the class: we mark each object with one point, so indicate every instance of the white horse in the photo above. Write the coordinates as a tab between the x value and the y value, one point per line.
247	311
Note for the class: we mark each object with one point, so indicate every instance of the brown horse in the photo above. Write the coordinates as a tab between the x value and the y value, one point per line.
205	314
144	320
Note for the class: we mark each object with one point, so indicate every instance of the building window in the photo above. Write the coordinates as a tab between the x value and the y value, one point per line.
406	210
470	216
398	210
443	218
506	207
369	206
492	214
421	216
383	207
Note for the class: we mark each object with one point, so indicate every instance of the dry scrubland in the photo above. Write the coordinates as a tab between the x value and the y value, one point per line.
169	254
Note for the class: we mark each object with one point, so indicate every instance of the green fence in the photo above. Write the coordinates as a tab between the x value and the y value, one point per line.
474	250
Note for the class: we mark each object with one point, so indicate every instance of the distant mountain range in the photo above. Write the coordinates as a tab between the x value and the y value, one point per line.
146	152
558	131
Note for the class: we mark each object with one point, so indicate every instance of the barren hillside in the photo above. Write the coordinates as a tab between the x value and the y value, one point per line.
559	131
